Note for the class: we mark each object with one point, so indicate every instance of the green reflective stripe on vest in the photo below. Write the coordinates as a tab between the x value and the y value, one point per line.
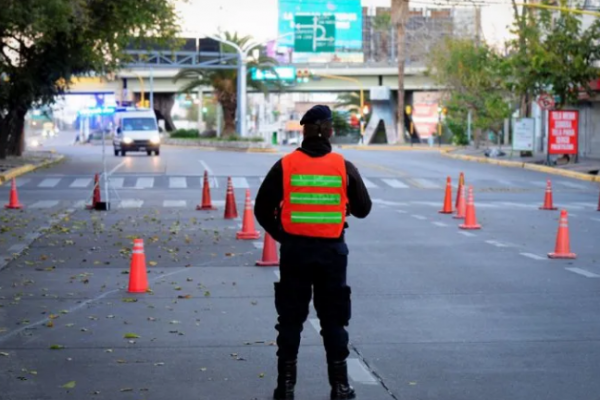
317	180
317	217
325	199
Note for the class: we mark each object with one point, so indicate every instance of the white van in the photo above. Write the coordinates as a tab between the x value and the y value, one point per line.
136	130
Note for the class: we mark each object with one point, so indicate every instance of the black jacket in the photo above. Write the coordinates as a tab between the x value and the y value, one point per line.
270	194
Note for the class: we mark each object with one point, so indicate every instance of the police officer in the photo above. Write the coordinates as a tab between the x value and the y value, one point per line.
303	204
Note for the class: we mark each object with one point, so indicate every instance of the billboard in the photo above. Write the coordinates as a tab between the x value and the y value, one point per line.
563	132
425	113
348	40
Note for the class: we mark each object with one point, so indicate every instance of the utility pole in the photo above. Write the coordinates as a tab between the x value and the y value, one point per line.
400	10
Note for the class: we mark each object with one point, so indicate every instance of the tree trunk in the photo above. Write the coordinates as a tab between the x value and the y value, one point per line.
399	18
228	103
11	132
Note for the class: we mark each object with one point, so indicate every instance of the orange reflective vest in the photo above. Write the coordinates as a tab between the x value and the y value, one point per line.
314	195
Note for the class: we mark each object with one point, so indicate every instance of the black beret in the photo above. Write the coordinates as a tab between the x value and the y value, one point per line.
317	113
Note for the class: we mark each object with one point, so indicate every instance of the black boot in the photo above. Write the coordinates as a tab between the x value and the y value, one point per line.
338	379
286	380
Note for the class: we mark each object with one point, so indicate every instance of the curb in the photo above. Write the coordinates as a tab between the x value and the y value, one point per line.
24	169
524	165
394	148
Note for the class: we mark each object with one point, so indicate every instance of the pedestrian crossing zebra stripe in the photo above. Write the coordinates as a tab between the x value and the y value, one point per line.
395	183
81	183
177	183
49	183
144	183
240	183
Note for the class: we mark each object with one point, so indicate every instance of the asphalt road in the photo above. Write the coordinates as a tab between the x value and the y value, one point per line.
438	312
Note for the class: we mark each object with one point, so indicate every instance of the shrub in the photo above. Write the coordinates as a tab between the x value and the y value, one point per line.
185	134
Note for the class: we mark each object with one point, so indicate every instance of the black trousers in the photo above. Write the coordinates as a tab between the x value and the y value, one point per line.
304	267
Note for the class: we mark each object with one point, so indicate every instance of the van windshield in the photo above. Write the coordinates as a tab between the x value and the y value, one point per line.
139	124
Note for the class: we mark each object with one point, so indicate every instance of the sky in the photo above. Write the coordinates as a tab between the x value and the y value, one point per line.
259	17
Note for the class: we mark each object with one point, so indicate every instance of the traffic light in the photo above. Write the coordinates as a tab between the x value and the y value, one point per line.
303	75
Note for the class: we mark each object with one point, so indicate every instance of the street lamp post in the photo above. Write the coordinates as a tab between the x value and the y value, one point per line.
242	77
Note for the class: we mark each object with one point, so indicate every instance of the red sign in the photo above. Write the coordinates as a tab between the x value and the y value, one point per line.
546	101
563	132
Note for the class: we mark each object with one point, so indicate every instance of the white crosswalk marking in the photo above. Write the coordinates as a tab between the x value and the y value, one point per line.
174	203
587	205
360	373
427	203
583	272
49	182
369	184
144	183
44	204
116	183
21	182
177	183
538	183
427	184
395	183
212	182
81	183
80	204
131	203
239	183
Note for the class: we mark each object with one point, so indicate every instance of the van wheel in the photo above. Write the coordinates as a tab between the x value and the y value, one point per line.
157	152
149	152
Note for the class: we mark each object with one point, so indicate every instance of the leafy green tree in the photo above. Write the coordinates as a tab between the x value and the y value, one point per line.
472	72
551	53
44	43
351	101
340	123
224	81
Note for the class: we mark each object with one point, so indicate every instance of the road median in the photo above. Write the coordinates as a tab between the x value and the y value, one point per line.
525	165
16	171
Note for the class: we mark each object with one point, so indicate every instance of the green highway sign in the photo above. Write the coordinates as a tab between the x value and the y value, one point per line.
314	33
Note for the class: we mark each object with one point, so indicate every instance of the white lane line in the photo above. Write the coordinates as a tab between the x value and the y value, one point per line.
212	180
177	183
395	183
401	211
21	182
131	203
16	248
583	272
239	183
44	204
49	183
468	234
486	205
369	184
596	219
572	185
538	183
81	183
441	224
277	274
315	324
174	203
116	183
569	206
258	245
144	183
112	171
419	217
533	256
428	203
79	204
586	205
519	205
497	243
359	373
388	203
426	183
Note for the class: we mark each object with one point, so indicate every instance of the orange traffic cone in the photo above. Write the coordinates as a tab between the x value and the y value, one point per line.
248	230
461	208
269	254
95	194
470	217
138	278
230	206
13	199
206	201
548	198
459	192
448	198
562	249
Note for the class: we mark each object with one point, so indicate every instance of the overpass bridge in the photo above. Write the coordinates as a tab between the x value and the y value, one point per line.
157	72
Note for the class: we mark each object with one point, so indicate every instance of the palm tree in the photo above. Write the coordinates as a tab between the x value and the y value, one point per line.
351	100
224	81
